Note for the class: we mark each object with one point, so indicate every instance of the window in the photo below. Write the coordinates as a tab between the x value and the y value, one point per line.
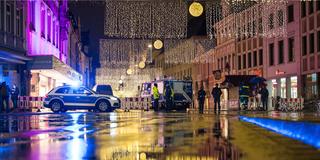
32	15
244	59
260	57
311	43
303	8
291	49
49	26
280	18
43	18
283	89
294	86
280	52
239	62
63	90
255	58
57	36
249	60
290	13
318	41
1	16
8	18
304	45
81	90
19	23
310	3
271	54
54	32
271	25
260	26
318	5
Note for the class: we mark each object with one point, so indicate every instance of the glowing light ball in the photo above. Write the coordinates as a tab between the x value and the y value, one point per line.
129	71
142	64
158	44
196	9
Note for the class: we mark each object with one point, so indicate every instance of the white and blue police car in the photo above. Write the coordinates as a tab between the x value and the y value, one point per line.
61	99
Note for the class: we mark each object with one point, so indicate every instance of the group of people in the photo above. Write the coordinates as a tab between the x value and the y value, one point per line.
216	94
5	94
168	96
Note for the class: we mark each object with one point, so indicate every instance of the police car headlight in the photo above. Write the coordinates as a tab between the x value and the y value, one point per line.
113	98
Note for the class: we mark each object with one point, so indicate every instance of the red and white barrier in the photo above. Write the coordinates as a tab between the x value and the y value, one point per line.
141	103
28	103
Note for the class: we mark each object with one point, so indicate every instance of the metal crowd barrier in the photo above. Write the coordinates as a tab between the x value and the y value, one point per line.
140	103
27	103
291	103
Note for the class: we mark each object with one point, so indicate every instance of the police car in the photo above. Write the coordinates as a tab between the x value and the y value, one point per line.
64	98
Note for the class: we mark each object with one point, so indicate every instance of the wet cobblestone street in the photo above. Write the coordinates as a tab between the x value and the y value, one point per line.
148	135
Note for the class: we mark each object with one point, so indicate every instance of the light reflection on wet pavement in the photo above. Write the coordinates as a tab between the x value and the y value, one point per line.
146	135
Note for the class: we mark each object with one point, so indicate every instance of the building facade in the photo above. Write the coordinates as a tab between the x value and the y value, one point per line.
310	48
47	43
12	45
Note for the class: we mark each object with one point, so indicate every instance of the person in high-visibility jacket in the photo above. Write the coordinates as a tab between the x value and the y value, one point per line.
156	96
168	92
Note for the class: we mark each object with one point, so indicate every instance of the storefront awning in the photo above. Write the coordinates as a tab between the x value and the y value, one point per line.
53	67
11	57
236	80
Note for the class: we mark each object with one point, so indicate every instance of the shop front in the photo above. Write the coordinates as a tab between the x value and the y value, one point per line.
49	72
310	86
285	87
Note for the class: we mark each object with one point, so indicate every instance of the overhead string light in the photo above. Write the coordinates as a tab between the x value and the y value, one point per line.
123	52
246	18
146	19
185	51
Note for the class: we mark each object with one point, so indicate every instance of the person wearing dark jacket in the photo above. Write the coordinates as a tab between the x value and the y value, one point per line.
201	98
264	97
168	96
5	96
216	94
14	96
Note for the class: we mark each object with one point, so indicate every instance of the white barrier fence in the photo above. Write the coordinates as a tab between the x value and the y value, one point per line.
140	103
27	103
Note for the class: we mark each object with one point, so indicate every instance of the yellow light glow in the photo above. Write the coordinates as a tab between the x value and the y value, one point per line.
142	64
129	71
196	9
158	44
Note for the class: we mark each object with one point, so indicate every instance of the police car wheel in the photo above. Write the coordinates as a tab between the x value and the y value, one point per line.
56	106
103	106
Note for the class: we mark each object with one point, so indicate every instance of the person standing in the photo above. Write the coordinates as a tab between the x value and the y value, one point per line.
14	96
5	96
155	93
168	96
264	97
201	98
216	94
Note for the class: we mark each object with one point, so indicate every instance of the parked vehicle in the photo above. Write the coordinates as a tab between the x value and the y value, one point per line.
105	89
64	98
182	92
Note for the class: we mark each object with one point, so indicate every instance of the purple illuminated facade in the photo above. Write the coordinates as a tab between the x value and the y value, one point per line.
47	42
46	30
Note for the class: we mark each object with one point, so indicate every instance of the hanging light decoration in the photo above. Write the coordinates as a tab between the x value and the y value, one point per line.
129	71
243	19
111	76
146	19
122	52
185	51
142	65
158	44
196	9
